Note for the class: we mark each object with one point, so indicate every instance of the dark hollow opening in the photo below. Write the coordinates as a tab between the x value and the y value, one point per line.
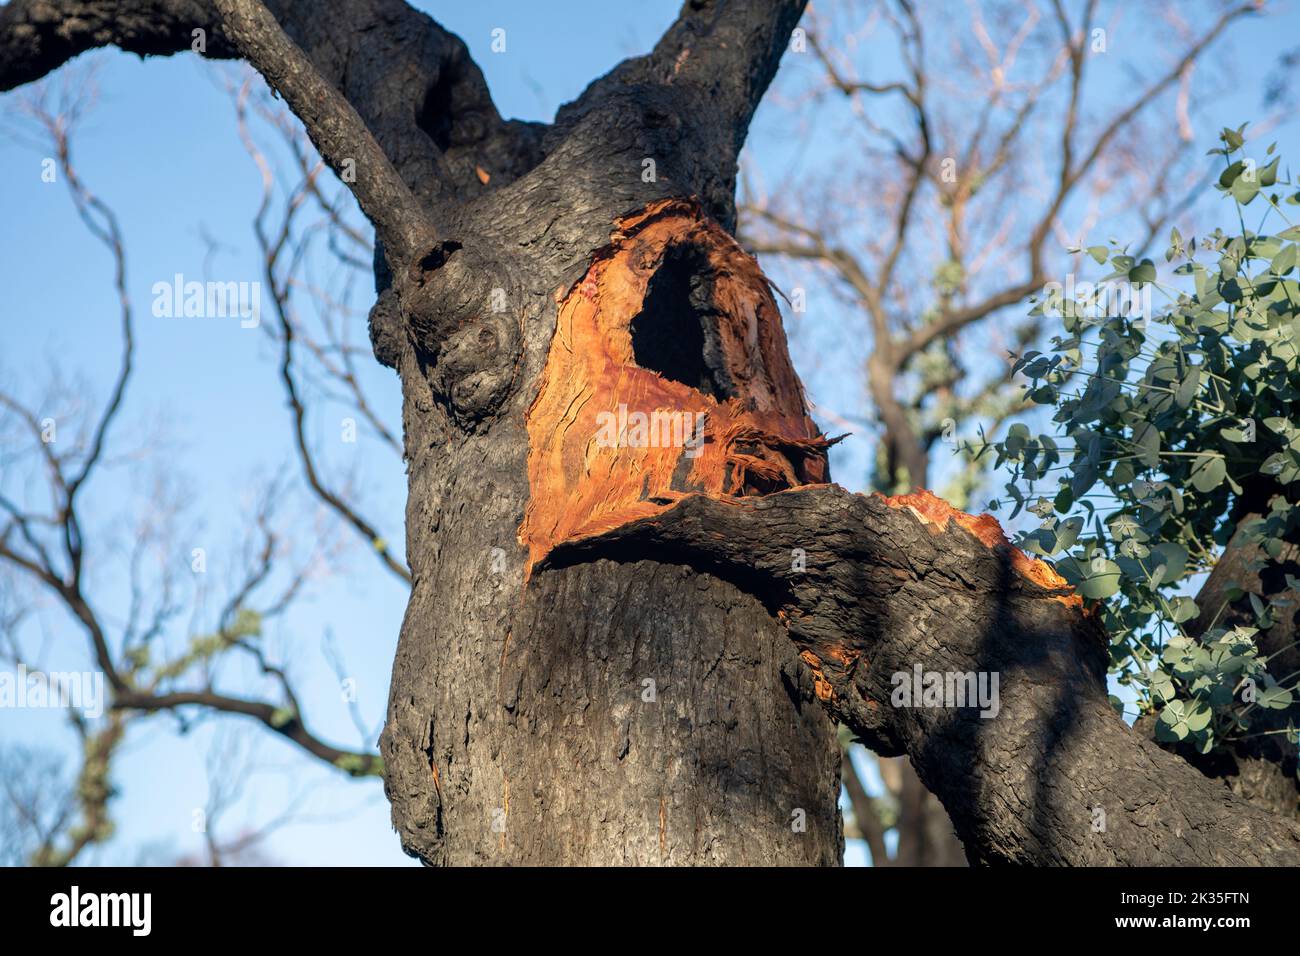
675	333
436	112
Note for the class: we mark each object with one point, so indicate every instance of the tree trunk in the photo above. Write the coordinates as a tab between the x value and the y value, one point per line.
614	713
925	834
610	713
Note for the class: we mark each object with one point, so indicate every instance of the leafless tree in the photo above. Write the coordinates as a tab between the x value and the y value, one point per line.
170	653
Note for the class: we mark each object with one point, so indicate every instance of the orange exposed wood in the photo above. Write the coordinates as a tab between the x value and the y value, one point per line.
759	441
821	686
762	439
935	512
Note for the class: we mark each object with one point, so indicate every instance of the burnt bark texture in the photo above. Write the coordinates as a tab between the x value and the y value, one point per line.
609	654
1054	776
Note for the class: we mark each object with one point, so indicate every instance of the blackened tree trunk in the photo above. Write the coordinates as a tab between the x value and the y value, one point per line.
894	586
613	713
624	649
634	712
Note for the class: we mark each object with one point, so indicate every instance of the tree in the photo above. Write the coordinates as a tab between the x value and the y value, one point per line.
635	598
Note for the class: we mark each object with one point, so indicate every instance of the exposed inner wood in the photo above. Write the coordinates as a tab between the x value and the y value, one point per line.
936	513
723	337
756	438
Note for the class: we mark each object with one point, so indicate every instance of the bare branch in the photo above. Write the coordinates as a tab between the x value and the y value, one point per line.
272	248
865	814
282	721
340	135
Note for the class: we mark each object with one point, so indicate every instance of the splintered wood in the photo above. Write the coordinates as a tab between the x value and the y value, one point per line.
936	513
610	441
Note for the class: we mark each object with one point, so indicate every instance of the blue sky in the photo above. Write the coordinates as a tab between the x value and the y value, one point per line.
161	149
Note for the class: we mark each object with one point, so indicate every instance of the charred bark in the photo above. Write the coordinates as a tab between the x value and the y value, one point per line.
619	713
890	585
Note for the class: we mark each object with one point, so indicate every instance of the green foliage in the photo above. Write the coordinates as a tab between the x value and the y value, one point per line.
1200	688
1163	415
